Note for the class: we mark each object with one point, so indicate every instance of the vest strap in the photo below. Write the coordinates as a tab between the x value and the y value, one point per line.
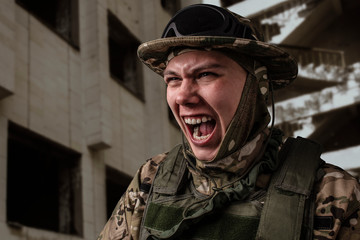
282	215
172	172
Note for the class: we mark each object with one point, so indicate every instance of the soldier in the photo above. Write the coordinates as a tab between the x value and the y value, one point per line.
233	177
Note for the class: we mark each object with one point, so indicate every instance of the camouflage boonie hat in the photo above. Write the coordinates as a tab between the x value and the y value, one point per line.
210	27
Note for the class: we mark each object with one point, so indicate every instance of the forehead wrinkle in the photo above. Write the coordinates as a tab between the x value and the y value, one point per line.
207	66
170	72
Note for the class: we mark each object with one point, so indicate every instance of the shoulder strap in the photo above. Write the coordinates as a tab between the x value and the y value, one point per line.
166	181
291	185
170	174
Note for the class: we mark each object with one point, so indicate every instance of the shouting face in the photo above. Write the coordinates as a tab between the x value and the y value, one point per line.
203	91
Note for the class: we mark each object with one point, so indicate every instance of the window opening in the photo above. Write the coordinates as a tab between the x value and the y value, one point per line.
61	16
125	68
43	183
116	185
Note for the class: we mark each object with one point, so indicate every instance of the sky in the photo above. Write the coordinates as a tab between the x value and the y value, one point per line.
247	8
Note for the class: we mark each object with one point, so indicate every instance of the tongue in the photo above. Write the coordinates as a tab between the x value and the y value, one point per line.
206	128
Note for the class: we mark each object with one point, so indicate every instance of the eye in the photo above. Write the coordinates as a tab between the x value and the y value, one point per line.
172	80
207	74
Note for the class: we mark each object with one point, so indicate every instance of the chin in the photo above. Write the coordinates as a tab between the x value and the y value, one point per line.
204	155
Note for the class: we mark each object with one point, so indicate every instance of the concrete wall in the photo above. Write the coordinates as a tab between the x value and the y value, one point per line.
67	95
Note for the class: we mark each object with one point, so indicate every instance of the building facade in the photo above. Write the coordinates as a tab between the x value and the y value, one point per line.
78	113
323	104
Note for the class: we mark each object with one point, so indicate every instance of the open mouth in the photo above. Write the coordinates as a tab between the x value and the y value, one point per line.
200	128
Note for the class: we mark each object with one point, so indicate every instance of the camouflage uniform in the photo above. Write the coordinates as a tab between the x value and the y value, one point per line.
337	205
338	199
337	214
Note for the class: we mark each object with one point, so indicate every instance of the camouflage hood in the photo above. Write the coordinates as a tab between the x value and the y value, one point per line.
282	68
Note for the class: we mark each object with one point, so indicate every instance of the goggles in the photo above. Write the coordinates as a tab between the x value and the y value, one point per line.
206	20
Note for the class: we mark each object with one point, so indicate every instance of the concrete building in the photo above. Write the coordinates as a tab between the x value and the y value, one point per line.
323	103
78	113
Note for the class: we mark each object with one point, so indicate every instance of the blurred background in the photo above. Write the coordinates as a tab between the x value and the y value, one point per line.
79	114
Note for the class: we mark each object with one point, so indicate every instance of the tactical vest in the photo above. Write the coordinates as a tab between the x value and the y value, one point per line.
284	211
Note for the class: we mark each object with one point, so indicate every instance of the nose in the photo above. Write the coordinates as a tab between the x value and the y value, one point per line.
187	93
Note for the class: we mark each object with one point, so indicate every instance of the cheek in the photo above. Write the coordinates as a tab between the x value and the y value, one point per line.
168	99
227	107
226	102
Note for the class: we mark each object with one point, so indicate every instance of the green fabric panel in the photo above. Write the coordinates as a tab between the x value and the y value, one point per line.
216	226
160	217
225	226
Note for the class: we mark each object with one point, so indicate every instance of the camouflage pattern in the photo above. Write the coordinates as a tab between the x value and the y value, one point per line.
282	68
239	161
337	202
125	220
229	168
337	194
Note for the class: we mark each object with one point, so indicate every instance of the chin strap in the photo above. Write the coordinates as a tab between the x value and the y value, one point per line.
272	114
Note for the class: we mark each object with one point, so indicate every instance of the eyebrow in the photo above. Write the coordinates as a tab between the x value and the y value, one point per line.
196	70
169	72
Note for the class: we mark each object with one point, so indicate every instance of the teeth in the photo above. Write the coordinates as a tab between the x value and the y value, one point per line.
196	134
194	121
196	129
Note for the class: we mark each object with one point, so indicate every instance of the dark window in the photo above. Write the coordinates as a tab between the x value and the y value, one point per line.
125	67
116	185
59	15
43	183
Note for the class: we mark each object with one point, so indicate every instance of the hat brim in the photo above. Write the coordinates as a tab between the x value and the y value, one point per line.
282	67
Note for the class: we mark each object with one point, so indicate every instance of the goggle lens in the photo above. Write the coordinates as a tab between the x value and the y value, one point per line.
206	20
